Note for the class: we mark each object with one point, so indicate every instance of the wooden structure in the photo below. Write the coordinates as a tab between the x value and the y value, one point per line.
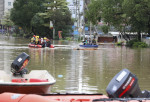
107	39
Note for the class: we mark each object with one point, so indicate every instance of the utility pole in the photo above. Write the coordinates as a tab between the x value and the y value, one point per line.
83	32
76	15
79	16
54	22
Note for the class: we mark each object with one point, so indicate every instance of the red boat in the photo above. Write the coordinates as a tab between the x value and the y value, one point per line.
39	46
35	46
14	97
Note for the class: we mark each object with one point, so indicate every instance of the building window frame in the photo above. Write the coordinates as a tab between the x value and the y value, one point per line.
9	3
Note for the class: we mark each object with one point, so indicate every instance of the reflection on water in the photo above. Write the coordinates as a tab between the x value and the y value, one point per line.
80	71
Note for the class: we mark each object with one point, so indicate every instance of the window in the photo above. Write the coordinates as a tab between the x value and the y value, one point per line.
9	3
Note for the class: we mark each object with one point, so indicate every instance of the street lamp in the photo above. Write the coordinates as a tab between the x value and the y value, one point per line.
52	23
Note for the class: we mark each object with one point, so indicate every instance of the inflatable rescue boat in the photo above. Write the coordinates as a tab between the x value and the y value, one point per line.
39	46
122	88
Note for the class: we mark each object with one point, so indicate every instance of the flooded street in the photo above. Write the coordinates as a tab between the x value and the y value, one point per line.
79	71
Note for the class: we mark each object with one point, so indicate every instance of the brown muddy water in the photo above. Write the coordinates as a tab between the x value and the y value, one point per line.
79	71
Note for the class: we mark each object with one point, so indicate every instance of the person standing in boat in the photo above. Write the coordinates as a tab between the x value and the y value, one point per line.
33	40
36	40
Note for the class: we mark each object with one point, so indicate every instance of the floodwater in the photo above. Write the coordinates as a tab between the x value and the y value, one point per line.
79	71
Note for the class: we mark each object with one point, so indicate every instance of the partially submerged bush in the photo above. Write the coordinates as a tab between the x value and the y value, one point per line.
136	43
140	45
68	38
120	43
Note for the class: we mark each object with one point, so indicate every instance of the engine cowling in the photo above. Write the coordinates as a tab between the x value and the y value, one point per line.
19	64
125	85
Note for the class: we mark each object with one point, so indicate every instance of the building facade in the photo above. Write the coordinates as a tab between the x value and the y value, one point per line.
5	6
8	5
1	8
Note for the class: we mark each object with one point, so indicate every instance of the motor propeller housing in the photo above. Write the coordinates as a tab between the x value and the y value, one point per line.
19	64
125	85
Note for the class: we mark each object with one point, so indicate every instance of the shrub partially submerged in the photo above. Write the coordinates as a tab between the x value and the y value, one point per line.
121	43
136	43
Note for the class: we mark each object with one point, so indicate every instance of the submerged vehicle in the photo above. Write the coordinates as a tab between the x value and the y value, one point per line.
19	81
122	88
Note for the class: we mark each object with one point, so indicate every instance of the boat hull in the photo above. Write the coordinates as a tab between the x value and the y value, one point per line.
39	46
89	46
85	49
15	97
35	46
36	82
26	89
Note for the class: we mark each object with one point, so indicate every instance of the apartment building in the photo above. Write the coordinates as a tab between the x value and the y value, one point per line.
8	5
1	8
5	6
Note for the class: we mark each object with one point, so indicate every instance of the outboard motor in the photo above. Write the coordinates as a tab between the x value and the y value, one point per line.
19	64
125	85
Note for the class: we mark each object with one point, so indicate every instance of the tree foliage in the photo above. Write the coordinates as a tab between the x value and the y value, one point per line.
34	16
93	12
24	11
6	20
57	12
123	14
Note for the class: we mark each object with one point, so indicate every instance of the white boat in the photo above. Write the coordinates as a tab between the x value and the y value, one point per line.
36	82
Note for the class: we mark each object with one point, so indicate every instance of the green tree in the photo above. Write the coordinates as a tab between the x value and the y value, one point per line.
138	12
94	10
33	16
123	14
23	12
38	27
6	21
57	12
105	29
